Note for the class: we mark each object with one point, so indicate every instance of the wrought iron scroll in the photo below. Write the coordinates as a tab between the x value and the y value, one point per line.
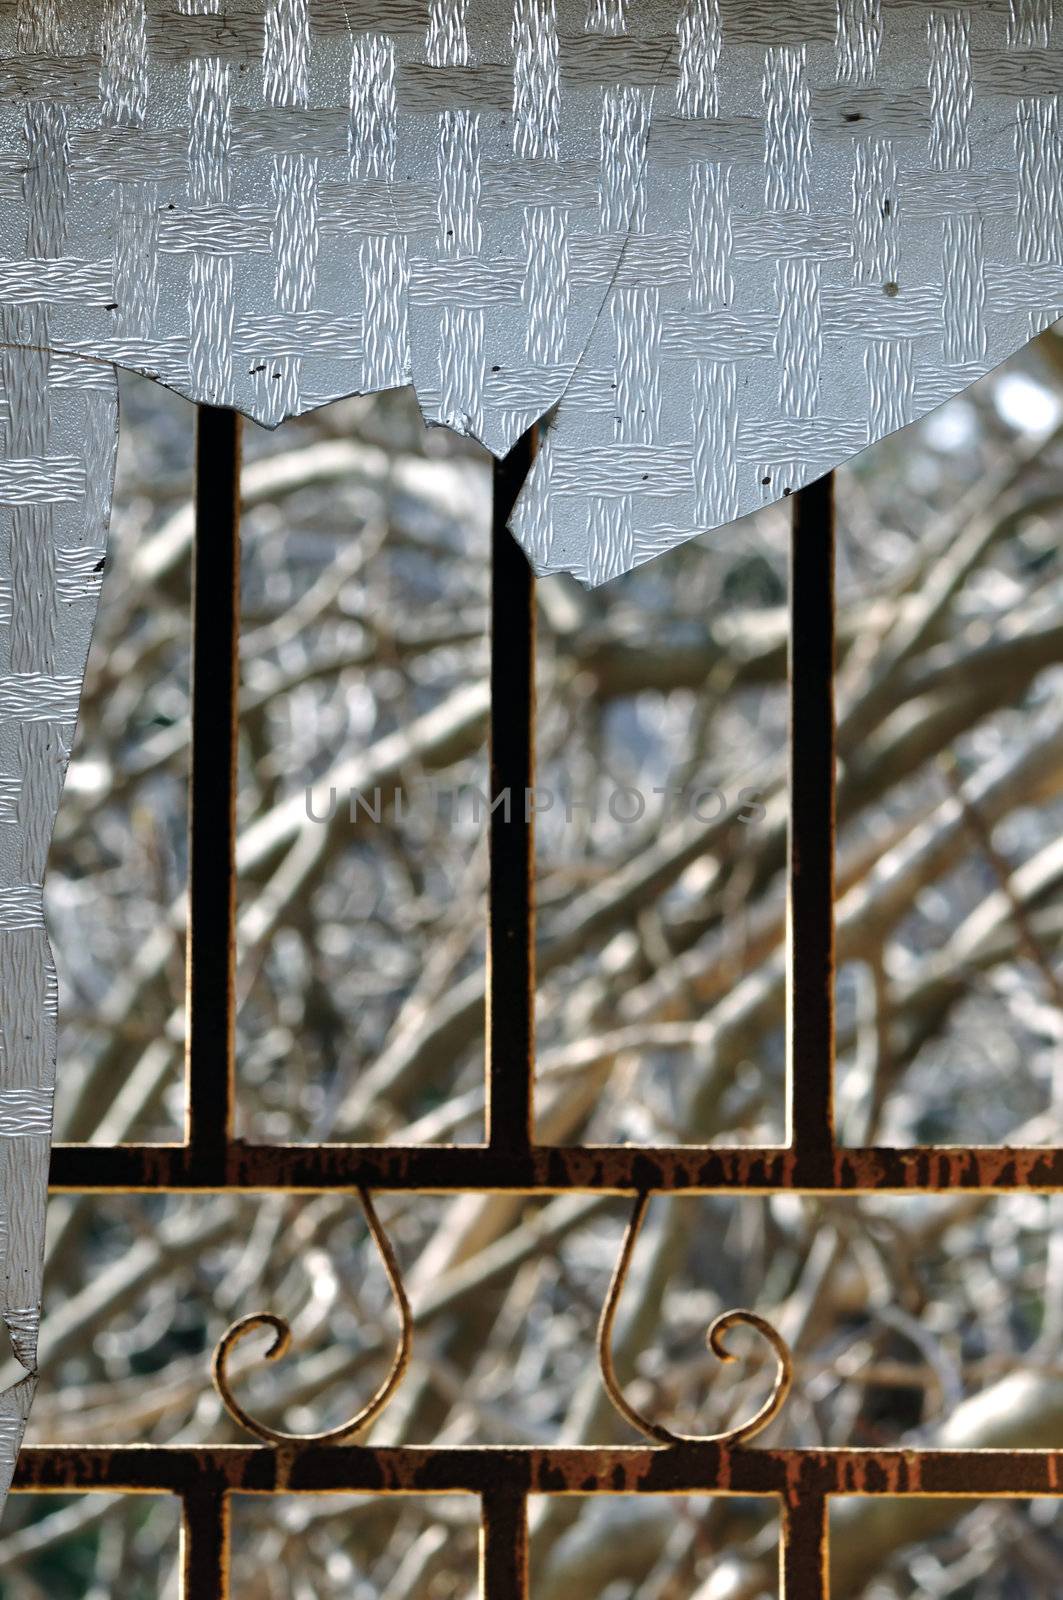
714	1338
368	1413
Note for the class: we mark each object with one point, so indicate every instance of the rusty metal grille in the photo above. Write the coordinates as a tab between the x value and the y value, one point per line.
212	1159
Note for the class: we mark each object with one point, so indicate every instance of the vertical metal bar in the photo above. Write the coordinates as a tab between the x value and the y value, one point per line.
804	1558
210	981
511	895
810	1022
205	1539
504	1546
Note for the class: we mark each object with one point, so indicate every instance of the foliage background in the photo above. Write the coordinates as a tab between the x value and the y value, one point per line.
660	1005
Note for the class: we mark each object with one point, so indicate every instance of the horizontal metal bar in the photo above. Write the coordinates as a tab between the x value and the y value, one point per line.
546	1169
494	1470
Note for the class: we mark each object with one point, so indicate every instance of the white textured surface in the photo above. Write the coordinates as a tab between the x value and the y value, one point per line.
736	239
850	211
60	428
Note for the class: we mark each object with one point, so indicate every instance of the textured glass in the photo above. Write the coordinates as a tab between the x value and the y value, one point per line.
733	241
60	429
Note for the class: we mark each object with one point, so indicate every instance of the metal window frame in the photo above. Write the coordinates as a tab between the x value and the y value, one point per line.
212	1159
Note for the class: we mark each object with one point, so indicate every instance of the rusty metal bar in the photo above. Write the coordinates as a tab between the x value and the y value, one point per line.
518	1470
205	1541
210	982
504	1546
804	1570
511	898
810	1029
546	1169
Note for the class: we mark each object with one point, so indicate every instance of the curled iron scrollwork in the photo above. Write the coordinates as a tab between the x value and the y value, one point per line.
282	1341
714	1338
